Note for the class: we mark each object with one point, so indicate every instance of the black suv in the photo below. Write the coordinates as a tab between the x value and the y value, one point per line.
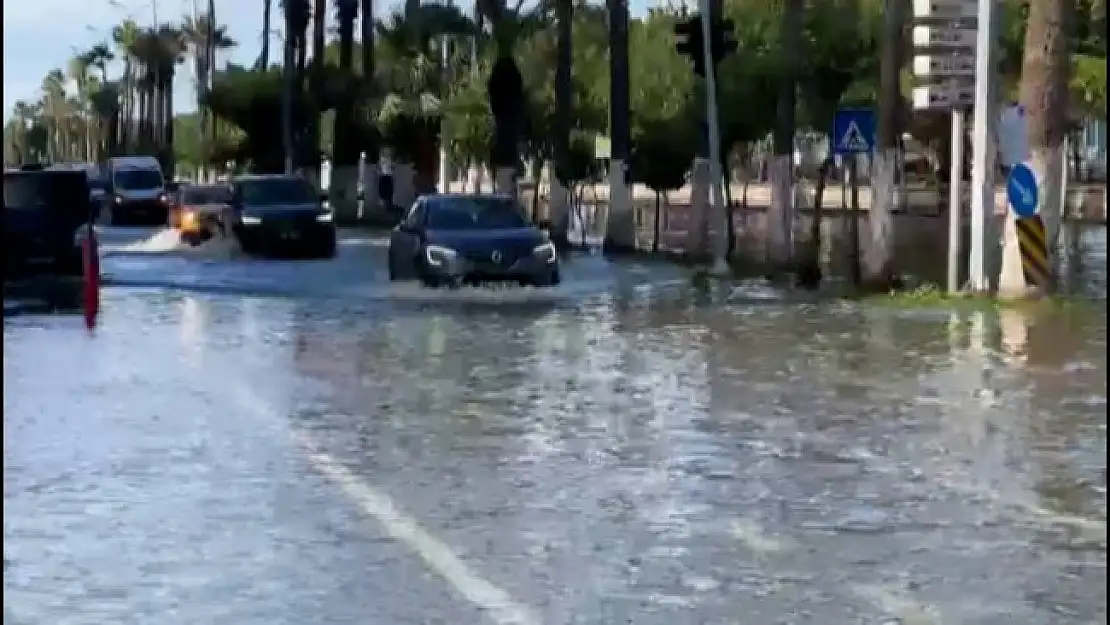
43	210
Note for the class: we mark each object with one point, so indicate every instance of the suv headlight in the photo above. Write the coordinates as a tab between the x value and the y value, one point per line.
324	217
437	255
546	251
119	200
249	220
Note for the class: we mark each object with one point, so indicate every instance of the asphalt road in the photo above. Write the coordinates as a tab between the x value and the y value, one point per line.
266	442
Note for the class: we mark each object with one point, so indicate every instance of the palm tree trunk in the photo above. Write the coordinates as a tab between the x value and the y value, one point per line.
344	170
316	86
1044	93
289	72
167	129
780	217
559	192
371	148
620	227
878	256
264	58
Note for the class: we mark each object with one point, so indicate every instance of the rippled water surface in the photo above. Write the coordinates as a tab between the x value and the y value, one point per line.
623	451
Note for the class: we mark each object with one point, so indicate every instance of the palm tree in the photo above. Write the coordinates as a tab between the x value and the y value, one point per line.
413	84
126	36
53	107
202	38
78	72
620	231
506	87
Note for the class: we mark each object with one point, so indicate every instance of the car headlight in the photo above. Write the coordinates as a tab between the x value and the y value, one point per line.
324	217
188	219
546	251
119	200
437	255
249	220
162	198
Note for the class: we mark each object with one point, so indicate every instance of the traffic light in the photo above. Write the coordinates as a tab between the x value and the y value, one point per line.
689	42
722	41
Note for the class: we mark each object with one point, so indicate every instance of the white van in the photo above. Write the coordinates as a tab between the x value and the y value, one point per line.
138	190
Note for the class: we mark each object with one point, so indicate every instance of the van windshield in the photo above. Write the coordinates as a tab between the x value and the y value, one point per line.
137	179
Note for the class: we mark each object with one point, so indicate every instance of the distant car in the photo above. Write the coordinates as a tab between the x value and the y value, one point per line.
44	216
200	211
275	212
452	239
138	190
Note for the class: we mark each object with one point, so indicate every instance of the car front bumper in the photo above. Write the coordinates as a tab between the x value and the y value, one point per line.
291	234
146	209
530	268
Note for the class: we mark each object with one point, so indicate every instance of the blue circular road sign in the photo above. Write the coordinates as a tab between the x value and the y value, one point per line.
1021	190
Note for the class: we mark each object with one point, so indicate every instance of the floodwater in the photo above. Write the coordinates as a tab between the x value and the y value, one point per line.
267	442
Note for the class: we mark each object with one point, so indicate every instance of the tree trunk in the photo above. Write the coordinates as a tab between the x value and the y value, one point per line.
264	57
620	227
558	196
878	262
780	216
1044	94
809	273
345	153
371	147
289	82
506	97
316	82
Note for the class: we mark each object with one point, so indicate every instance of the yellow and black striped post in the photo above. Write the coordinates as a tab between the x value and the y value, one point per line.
1033	243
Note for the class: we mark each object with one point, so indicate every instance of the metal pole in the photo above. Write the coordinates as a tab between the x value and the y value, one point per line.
982	178
853	225
444	183
720	241
955	197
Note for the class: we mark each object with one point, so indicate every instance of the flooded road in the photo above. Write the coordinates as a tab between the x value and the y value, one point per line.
245	442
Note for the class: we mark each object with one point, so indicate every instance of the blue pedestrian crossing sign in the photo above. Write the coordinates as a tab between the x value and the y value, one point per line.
1021	190
853	131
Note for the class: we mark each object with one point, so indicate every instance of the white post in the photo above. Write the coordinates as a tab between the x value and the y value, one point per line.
982	178
955	197
719	220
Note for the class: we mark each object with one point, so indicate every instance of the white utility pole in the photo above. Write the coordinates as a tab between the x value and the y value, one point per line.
982	147
718	208
444	183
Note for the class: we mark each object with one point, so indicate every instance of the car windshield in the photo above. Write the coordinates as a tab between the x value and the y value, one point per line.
205	195
39	190
277	191
474	213
137	179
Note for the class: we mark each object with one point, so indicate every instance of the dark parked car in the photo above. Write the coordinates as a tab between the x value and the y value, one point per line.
275	212
44	212
200	211
452	238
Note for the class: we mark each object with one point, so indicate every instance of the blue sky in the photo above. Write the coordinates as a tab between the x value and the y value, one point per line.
40	35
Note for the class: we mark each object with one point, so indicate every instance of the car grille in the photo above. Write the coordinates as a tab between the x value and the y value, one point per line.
484	258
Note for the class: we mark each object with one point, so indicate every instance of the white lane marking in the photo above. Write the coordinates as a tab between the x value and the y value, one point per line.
496	602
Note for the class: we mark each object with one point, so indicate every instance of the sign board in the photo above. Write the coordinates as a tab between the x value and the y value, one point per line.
946	9
944	66
1021	190
943	96
1013	136
853	131
948	38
